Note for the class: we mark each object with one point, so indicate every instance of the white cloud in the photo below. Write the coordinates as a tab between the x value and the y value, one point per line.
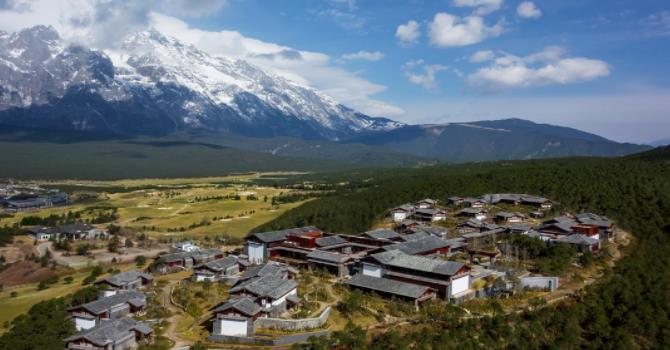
363	56
408	33
425	76
447	30
192	8
547	67
482	56
482	7
658	23
527	9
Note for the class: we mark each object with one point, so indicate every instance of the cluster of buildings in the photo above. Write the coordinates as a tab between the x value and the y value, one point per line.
106	323
409	261
267	290
74	232
406	265
15	198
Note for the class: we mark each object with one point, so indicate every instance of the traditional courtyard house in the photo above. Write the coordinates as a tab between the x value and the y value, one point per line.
455	200
474	203
535	201
269	268
504	217
427	245
435	231
426	204
295	248
42	233
383	234
273	293
235	317
185	246
510	198
559	226
123	333
430	215
329	241
475	213
605	226
173	262
538	214
119	305
402	212
206	255
583	242
547	237
472	225
257	245
389	288
407	225
77	231
450	279
335	263
519	228
415	236
217	270
129	280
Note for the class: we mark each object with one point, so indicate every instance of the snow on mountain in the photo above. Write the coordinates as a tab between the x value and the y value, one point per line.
177	85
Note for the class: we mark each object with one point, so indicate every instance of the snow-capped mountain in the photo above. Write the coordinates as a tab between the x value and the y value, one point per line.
155	84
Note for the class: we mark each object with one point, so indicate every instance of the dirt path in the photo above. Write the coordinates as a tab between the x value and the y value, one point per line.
173	321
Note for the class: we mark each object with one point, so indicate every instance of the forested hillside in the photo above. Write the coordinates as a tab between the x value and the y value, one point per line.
629	308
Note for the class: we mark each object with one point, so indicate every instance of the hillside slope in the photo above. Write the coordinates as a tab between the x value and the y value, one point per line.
495	140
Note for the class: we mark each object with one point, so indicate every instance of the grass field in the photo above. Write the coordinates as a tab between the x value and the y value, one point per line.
28	294
179	207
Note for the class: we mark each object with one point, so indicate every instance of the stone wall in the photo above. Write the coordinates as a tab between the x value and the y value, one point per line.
261	341
293	325
544	283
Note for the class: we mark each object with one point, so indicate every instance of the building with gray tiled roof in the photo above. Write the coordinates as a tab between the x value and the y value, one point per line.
115	306
421	246
123	333
330	241
128	280
449	278
216	270
384	234
391	288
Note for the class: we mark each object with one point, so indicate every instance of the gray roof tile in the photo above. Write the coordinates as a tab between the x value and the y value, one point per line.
399	259
386	285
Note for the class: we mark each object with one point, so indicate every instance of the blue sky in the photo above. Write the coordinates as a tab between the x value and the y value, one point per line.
600	66
631	37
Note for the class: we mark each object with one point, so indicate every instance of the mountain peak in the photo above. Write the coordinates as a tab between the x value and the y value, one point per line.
168	83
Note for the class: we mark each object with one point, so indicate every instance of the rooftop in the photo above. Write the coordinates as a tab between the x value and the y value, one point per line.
330	241
124	278
243	305
418	246
382	234
101	305
386	285
419	263
276	236
109	331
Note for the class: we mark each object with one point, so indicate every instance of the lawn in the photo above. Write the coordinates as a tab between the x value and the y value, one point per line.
178	207
28	295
